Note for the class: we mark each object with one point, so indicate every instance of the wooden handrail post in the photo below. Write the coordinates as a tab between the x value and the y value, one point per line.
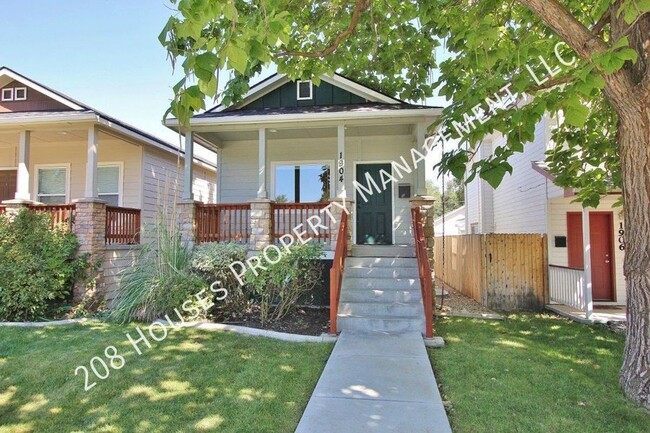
421	217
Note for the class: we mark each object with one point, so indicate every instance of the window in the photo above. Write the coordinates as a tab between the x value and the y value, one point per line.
20	94
8	94
108	183
305	90
302	183
52	185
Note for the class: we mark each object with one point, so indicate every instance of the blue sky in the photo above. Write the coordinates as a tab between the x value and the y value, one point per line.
104	53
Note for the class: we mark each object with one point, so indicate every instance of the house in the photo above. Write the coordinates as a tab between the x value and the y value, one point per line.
451	224
529	201
290	149
62	156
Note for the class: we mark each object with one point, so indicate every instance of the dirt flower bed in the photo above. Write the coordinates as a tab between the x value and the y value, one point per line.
305	321
455	303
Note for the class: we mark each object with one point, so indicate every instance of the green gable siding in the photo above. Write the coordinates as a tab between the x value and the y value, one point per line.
325	94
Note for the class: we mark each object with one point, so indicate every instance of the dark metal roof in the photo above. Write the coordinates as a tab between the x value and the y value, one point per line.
371	107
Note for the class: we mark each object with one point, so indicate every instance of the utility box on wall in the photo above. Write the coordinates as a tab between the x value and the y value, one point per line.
404	190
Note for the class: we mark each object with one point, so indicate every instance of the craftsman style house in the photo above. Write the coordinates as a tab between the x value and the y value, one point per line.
529	201
103	177
290	150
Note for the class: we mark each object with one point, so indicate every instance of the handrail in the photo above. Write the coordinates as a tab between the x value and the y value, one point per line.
424	269
336	273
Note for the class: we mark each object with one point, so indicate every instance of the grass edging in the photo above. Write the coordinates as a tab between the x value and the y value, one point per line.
41	324
256	332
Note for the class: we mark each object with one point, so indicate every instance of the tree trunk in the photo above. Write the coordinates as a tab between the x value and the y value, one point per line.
634	145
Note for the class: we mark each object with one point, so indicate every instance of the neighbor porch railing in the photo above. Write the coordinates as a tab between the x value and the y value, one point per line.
122	226
223	222
336	273
566	286
2	209
424	270
288	216
62	214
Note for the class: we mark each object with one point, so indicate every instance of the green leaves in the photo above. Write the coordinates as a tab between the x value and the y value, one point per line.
575	112
237	58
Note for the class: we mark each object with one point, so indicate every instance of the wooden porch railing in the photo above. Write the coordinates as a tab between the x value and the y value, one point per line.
287	216
223	222
424	269
336	273
2	209
566	286
122	226
62	214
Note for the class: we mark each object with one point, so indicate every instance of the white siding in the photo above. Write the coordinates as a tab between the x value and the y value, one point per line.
557	222
163	182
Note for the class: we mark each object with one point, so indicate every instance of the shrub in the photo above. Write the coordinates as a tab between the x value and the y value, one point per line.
38	264
211	262
279	288
161	278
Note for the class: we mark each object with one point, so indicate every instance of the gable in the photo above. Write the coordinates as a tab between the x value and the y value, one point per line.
35	100
286	96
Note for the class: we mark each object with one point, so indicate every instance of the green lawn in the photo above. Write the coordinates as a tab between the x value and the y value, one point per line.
533	373
193	381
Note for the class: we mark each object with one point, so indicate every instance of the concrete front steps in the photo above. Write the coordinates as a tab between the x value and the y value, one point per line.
381	294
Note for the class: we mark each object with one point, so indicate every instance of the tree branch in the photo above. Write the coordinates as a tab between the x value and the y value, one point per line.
359	7
551	83
619	86
597	29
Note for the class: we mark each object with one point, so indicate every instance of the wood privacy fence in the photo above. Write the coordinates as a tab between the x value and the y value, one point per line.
501	271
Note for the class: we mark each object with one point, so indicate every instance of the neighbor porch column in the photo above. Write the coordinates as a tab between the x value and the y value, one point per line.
587	285
219	176
188	193
340	164
420	169
91	163
261	191
22	180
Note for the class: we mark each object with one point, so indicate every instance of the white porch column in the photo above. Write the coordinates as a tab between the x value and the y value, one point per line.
420	169
219	176
91	163
188	193
261	191
587	285
340	191
22	181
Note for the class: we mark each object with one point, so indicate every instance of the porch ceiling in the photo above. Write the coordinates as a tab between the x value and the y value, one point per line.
64	135
307	132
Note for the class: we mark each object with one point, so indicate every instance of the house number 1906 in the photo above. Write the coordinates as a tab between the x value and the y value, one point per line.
621	237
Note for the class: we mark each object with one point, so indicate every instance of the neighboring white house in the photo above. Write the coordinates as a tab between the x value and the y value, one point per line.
529	201
454	223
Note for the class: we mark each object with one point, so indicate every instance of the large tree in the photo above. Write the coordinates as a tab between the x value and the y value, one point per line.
584	62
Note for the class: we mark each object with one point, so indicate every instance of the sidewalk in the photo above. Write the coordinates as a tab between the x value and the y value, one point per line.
376	383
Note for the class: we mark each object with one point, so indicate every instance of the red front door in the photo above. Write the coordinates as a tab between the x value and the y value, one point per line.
7	184
601	229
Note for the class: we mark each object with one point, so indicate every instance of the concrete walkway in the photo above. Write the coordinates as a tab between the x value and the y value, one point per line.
376	383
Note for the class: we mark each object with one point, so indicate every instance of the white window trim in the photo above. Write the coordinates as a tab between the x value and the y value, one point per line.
311	90
66	166
275	164
120	185
16	94
9	98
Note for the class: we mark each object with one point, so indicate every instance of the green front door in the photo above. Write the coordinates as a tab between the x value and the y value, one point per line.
374	214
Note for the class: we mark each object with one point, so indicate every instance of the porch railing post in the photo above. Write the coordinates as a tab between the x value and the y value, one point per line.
261	224
90	229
